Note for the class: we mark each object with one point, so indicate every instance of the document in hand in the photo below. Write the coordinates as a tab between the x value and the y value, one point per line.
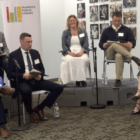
35	72
109	41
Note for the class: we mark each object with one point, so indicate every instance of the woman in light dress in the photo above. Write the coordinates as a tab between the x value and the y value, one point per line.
75	50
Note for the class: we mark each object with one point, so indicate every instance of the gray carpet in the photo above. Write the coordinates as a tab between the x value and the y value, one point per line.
82	123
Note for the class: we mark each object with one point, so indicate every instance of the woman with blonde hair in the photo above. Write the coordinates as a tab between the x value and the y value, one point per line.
75	50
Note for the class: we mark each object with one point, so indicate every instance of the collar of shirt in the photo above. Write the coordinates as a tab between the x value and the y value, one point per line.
23	51
115	27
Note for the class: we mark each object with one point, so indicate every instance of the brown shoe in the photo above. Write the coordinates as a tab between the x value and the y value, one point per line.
4	132
40	114
7	90
33	118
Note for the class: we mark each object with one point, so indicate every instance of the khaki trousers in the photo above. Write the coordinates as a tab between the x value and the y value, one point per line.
119	54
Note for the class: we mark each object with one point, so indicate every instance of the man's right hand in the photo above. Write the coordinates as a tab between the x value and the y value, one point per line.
106	45
27	76
1	95
72	54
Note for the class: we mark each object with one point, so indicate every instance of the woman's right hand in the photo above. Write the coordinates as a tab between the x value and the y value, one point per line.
72	54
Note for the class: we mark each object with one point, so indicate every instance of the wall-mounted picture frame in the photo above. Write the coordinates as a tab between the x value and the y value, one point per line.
81	10
103	26
129	3
93	10
93	1
129	17
114	8
83	24
104	12
94	31
134	30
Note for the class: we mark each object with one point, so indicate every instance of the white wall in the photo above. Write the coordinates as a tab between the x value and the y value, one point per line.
71	8
52	24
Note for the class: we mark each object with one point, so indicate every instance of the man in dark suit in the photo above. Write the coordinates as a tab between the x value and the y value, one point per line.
27	59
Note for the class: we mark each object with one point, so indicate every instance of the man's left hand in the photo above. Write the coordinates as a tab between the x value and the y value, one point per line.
80	53
127	45
38	78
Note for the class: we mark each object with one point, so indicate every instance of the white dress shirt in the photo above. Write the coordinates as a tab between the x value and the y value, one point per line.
25	59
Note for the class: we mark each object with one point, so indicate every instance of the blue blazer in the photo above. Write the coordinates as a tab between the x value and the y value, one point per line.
66	40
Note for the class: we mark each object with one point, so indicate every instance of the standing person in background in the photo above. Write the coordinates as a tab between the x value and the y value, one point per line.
4	53
75	50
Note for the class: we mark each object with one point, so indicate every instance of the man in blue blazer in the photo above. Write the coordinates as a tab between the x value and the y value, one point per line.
27	59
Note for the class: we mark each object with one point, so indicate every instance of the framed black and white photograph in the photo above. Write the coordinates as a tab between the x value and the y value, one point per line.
129	17
103	26
104	12
134	30
93	10
93	1
129	3
83	24
114	8
81	10
94	31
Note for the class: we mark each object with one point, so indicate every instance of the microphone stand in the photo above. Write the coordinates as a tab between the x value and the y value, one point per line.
95	106
19	127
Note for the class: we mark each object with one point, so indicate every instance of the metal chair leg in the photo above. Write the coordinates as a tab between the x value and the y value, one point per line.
38	98
23	114
90	74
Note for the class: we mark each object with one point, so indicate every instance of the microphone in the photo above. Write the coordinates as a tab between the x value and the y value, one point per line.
16	63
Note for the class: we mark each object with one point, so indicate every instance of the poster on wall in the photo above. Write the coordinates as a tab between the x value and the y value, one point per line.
93	13
134	30
104	12
114	8
18	17
81	10
83	24
129	3
93	1
129	17
103	26
94	31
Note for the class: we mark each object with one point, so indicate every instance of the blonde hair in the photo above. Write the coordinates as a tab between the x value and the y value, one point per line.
67	23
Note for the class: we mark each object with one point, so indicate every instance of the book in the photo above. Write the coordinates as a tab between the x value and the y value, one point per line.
109	41
35	72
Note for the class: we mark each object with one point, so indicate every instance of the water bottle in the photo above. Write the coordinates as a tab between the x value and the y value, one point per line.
59	80
105	79
56	111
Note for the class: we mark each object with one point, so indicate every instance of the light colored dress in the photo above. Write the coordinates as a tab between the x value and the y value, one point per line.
74	68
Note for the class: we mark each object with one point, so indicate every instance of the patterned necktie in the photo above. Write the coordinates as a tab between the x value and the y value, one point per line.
28	61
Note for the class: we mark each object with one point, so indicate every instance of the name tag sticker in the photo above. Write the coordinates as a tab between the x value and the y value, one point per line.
1	44
120	34
81	35
37	61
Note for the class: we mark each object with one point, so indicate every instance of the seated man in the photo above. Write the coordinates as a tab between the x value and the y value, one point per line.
4	91
4	52
27	59
119	52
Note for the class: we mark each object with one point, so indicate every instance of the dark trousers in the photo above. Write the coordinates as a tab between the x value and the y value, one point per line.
26	88
3	120
4	63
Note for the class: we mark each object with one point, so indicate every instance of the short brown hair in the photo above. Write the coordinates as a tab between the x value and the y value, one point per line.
67	23
23	35
117	14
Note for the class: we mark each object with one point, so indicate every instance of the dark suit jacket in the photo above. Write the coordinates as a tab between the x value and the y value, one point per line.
17	54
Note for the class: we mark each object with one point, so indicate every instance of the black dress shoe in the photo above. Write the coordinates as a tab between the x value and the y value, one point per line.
84	84
135	113
77	83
